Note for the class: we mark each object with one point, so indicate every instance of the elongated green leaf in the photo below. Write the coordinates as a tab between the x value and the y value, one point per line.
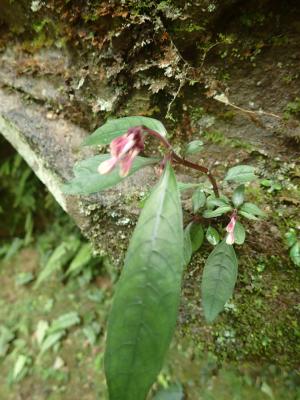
217	212
145	306
61	255
219	277
247	215
241	174
212	201
51	340
117	127
20	366
252	209
82	258
198	199
239	233
87	179
63	322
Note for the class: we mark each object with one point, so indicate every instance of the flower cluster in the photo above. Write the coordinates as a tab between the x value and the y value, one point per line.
123	150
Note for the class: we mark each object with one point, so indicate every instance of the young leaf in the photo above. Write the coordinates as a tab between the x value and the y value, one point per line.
193	147
82	258
252	209
239	233
217	212
145	306
198	199
238	196
219	277
241	174
20	367
212	236
295	254
87	179
117	127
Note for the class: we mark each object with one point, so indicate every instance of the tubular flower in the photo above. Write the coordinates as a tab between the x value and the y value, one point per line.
230	230
123	151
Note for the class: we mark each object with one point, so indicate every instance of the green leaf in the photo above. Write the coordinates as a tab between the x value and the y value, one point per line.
20	367
212	236
82	258
41	331
87	179
198	199
238	196
196	235
291	237
91	332
117	127
241	174
266	182
193	147
61	255
212	201
217	212
219	277
51	340
174	392
248	216
295	254
63	322
239	233
252	209
145	306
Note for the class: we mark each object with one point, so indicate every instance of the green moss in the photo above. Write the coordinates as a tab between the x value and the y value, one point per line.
247	329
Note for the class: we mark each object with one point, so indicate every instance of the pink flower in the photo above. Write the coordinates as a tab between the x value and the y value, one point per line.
123	150
230	229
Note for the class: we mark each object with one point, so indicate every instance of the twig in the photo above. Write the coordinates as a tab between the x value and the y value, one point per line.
176	158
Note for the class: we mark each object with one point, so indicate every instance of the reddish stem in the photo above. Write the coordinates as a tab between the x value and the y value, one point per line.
184	162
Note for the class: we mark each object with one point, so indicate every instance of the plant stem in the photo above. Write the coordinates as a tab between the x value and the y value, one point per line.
185	162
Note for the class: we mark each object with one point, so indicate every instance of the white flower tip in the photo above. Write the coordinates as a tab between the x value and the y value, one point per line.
106	166
230	239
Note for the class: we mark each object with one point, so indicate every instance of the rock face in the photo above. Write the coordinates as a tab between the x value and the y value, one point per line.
65	67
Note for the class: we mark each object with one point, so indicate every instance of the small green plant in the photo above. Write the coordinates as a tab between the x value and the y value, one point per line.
293	243
292	108
145	307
